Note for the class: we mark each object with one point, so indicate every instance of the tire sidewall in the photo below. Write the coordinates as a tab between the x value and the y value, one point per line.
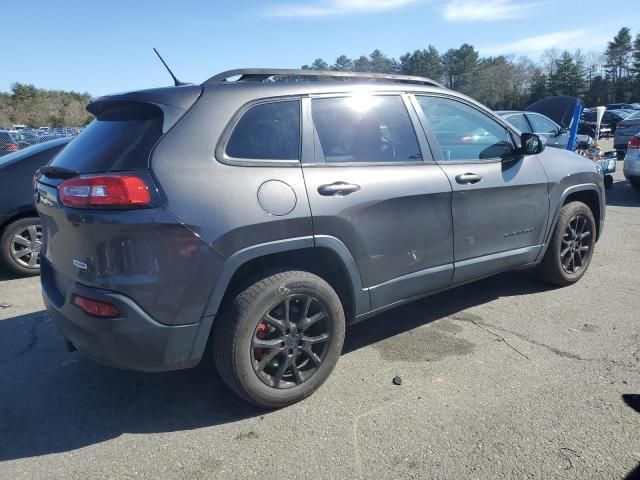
249	380
5	246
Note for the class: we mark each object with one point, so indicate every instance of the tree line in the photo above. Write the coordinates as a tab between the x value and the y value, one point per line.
500	82
508	82
36	107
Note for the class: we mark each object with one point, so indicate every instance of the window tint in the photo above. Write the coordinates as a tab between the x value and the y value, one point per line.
519	122
464	133
267	131
541	124
365	128
121	138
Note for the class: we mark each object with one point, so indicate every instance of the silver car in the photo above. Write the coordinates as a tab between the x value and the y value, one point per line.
531	122
626	129
631	167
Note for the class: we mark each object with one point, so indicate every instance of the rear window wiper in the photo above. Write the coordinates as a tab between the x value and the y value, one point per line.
52	171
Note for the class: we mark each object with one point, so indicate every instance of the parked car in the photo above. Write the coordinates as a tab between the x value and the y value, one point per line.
10	142
539	124
259	218
20	228
631	167
623	106
610	120
625	130
552	118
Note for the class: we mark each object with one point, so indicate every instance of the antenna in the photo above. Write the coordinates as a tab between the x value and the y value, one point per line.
175	79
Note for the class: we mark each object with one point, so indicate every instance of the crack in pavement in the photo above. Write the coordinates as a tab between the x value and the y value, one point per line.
478	321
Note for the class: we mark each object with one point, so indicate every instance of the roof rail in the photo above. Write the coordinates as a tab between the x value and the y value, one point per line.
257	75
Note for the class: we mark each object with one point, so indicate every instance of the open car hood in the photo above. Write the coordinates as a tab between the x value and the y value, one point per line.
562	110
565	111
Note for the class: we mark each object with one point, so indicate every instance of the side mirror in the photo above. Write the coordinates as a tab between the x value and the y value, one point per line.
562	131
532	144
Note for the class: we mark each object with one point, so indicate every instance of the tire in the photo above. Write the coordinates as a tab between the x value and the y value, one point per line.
635	183
565	261
22	255
265	377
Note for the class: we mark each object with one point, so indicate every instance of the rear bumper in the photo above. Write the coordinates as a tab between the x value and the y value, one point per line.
133	340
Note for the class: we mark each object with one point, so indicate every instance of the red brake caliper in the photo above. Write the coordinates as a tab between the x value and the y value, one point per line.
263	329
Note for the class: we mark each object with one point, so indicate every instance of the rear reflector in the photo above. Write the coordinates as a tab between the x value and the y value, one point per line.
95	308
105	191
634	142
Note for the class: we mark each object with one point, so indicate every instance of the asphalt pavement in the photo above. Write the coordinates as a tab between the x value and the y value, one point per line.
503	378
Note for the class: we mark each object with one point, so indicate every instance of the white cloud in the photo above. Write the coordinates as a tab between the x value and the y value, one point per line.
565	40
335	7
485	11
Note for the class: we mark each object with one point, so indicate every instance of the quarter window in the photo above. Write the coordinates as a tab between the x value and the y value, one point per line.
464	133
267	131
365	128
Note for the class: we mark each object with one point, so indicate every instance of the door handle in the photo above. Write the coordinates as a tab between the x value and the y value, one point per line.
338	189
468	178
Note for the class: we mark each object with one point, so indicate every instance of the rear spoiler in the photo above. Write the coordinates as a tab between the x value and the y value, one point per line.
173	101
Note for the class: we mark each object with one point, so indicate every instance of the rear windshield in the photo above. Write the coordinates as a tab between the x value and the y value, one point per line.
121	138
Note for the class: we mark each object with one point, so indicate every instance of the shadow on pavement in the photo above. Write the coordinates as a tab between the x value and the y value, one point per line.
622	194
407	317
56	401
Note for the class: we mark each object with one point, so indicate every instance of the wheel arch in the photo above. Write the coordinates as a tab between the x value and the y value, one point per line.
324	256
17	214
589	194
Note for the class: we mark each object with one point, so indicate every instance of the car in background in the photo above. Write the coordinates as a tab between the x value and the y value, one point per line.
623	106
625	130
10	142
631	167
552	118
531	122
608	125
20	227
28	137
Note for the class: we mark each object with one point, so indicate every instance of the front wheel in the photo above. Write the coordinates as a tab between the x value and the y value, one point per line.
280	338
20	246
569	253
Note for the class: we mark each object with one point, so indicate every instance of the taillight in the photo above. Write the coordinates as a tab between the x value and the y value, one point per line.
105	191
634	142
96	308
12	147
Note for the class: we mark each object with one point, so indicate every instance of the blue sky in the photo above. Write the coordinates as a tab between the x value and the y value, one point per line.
105	47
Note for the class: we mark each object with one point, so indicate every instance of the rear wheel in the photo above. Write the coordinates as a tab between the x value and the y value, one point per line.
569	253
20	246
280	338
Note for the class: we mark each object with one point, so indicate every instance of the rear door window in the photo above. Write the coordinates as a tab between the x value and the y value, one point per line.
267	131
519	122
120	138
365	128
542	124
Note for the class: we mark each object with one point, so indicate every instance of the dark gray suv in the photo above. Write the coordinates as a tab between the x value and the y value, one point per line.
259	216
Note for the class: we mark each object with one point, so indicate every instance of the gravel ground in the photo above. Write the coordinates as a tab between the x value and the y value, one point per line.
504	378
